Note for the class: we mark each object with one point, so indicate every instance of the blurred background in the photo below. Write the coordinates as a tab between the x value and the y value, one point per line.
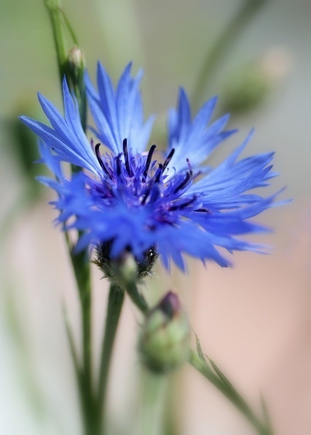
254	319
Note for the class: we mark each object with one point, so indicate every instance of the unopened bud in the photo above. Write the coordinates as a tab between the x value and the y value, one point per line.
276	63
164	337
247	87
76	63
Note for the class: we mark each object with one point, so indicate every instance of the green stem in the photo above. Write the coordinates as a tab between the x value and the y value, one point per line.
75	79
153	404
228	391
69	27
53	7
82	273
172	424
71	342
247	10
136	297
115	302
80	261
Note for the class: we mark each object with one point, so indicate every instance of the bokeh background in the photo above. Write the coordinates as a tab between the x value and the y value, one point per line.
252	319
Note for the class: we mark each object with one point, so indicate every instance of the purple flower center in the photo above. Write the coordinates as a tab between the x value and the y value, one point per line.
141	181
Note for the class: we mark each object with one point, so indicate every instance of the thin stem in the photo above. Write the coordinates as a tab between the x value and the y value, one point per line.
75	80
115	302
80	261
69	27
229	392
136	297
71	342
153	404
82	273
172	423
247	11
53	7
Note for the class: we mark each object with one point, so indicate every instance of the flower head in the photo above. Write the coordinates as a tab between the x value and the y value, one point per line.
130	197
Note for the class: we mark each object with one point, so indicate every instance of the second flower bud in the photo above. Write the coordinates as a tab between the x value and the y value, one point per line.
164	337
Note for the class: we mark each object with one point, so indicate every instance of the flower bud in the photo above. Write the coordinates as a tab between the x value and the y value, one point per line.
247	87
76	64
164	337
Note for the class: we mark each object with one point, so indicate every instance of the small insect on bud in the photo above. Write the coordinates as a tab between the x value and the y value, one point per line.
164	337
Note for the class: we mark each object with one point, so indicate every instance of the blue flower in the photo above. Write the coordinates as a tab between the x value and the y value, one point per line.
136	198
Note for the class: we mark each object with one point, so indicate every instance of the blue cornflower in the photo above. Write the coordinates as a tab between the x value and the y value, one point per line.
131	197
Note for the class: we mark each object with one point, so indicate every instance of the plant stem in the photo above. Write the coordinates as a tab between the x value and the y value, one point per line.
172	424
80	261
229	392
153	404
115	302
247	10
136	297
75	79
82	273
53	7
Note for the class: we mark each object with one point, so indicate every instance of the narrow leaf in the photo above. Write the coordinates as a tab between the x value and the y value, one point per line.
221	376
266	415
199	349
71	343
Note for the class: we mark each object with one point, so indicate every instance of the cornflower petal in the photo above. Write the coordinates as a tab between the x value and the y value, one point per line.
66	137
193	137
119	114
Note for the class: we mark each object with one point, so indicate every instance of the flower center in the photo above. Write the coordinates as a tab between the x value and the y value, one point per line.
137	181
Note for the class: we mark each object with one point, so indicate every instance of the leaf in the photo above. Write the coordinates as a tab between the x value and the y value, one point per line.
266	415
71	342
221	376
199	349
231	391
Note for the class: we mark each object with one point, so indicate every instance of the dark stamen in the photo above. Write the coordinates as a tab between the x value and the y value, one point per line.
156	179
100	159
147	193
185	182
183	205
148	161
202	210
168	159
126	157
119	164
158	173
